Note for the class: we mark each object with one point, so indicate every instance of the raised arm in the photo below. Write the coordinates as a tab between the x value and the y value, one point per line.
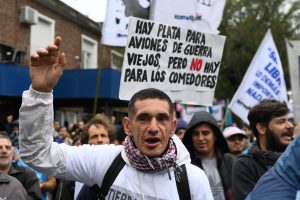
36	113
36	127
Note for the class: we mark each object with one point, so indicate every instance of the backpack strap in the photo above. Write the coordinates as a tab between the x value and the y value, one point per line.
183	187
118	164
109	177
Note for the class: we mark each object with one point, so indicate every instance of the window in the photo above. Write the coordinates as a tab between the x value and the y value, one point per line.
67	117
11	55
42	33
116	59
89	53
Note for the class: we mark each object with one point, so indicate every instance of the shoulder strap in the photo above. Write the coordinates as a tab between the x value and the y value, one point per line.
118	164
109	177
183	187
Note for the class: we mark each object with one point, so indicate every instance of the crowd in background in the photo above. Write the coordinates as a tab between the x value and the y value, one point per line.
223	144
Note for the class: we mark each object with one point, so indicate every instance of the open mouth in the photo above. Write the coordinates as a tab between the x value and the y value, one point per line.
287	136
152	141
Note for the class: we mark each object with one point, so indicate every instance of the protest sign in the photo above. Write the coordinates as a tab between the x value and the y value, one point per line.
182	62
204	15
264	79
115	26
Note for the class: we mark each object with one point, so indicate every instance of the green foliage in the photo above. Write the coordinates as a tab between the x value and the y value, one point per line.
245	24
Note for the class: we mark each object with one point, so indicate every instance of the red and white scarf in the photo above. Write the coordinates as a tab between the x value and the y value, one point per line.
152	164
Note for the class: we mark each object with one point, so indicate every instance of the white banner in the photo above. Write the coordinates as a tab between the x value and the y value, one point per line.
264	79
200	15
183	63
293	50
115	26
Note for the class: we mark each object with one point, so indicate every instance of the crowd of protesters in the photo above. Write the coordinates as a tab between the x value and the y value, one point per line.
230	158
98	130
220	164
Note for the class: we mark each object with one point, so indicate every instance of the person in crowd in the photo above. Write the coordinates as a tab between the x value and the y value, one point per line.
180	128
47	184
8	123
57	126
27	177
152	157
64	136
271	126
249	133
99	130
14	134
11	188
81	124
120	136
236	140
208	149
283	180
76	141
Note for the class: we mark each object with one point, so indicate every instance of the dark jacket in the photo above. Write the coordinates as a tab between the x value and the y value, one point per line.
224	160
272	186
11	188
245	174
28	179
87	192
64	190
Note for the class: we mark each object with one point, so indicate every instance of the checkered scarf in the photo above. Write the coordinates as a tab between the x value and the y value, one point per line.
152	164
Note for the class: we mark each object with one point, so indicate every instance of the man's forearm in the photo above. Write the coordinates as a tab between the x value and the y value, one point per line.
36	141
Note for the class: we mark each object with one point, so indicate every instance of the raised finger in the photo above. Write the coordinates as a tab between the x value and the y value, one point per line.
57	41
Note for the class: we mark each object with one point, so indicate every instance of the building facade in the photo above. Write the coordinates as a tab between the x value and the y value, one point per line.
27	25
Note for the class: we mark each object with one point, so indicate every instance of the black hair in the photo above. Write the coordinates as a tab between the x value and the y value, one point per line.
149	93
264	112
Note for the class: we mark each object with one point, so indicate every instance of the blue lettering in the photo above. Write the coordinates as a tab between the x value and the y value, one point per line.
274	72
258	73
269	83
254	94
272	55
261	87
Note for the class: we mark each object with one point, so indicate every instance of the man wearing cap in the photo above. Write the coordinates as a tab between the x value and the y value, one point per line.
209	151
236	140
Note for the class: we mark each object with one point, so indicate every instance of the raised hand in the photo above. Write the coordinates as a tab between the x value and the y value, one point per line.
46	66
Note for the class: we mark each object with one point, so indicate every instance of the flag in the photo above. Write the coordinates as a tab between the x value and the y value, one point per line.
203	16
293	51
264	79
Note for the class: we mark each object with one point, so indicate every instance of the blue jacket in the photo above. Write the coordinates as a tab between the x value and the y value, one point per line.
283	180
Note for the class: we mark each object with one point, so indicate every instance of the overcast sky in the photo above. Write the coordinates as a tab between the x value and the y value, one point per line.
94	9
